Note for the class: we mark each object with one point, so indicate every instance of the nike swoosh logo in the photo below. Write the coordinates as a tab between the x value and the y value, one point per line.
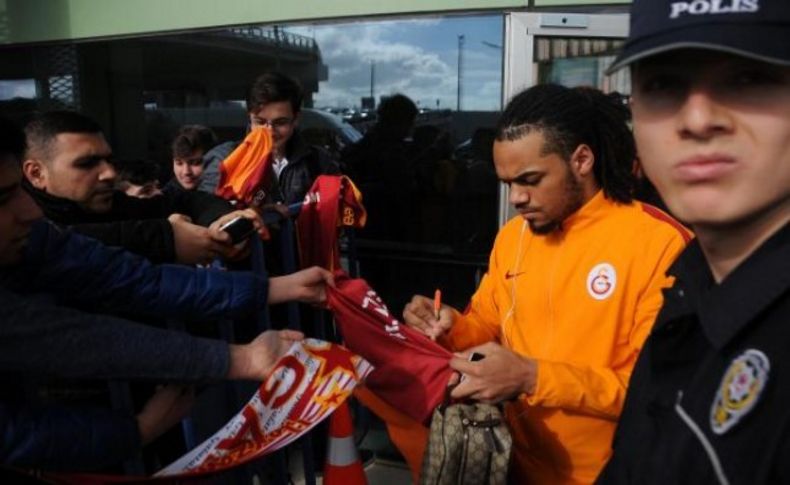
509	275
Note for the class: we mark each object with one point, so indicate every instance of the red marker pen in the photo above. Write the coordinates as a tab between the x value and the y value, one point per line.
437	303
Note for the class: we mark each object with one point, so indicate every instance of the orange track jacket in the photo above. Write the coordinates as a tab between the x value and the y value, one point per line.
581	302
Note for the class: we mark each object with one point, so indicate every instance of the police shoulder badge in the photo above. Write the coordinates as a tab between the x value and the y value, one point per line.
740	388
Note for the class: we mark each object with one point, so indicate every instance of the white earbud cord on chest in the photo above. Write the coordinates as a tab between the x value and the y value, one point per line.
514	272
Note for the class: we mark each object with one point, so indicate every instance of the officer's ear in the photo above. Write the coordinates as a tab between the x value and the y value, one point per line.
582	161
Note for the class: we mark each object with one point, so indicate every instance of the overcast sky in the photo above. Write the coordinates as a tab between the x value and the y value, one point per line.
418	58
25	88
415	57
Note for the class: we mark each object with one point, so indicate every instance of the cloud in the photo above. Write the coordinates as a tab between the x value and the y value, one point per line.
23	88
415	57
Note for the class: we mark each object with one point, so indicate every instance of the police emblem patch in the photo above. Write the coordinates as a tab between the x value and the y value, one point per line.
740	389
601	281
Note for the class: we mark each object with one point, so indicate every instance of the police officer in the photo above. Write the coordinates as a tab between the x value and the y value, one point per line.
709	397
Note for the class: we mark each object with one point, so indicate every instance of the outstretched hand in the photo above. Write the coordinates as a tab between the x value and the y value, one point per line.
306	286
195	244
166	407
240	250
255	360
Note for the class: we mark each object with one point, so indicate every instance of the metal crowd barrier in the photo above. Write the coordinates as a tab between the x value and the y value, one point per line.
290	263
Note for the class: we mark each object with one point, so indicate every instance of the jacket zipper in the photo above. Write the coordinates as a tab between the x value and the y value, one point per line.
549	342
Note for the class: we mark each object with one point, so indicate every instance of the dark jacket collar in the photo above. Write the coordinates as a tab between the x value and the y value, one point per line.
297	148
725	309
172	187
63	211
67	212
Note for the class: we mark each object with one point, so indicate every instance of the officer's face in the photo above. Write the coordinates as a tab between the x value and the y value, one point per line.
713	134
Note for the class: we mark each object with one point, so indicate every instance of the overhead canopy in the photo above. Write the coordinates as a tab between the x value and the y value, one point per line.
28	21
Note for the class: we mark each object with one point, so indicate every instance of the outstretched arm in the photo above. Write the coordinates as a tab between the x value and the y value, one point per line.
62	439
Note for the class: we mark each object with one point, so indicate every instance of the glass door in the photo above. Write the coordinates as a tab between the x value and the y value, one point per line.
572	49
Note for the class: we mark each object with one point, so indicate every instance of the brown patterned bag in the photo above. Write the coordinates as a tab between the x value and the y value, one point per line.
468	444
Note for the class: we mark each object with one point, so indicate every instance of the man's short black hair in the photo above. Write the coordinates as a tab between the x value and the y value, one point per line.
12	141
568	117
397	109
274	87
136	172
44	128
191	138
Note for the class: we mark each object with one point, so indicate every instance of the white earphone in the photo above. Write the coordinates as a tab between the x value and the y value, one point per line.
517	260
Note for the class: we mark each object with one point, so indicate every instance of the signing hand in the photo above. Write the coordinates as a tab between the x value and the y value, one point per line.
499	376
306	286
420	314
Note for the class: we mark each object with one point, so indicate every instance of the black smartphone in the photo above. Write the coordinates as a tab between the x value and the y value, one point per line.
476	356
239	229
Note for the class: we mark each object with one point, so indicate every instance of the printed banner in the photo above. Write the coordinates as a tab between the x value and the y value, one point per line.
307	384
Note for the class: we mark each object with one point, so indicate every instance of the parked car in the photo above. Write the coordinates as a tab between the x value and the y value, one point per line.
327	130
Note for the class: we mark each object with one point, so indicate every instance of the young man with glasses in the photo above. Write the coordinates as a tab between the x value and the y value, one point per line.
275	100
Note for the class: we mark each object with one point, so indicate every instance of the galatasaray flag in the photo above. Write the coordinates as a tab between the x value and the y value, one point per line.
247	171
412	371
331	203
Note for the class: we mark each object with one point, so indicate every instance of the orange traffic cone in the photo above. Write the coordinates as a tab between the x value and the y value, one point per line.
409	436
343	466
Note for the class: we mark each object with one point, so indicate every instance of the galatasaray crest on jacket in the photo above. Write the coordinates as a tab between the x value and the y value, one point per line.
601	281
739	390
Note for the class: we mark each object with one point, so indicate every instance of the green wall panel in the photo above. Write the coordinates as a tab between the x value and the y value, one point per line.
551	3
26	21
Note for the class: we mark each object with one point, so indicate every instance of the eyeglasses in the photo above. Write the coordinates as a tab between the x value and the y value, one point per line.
274	124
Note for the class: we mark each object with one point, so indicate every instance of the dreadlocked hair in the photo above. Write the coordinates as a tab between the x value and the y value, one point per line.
569	117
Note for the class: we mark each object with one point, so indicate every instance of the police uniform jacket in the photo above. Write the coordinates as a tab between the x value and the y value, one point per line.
709	399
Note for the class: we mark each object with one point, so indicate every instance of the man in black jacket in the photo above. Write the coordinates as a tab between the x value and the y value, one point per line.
39	338
708	398
385	170
69	172
275	100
